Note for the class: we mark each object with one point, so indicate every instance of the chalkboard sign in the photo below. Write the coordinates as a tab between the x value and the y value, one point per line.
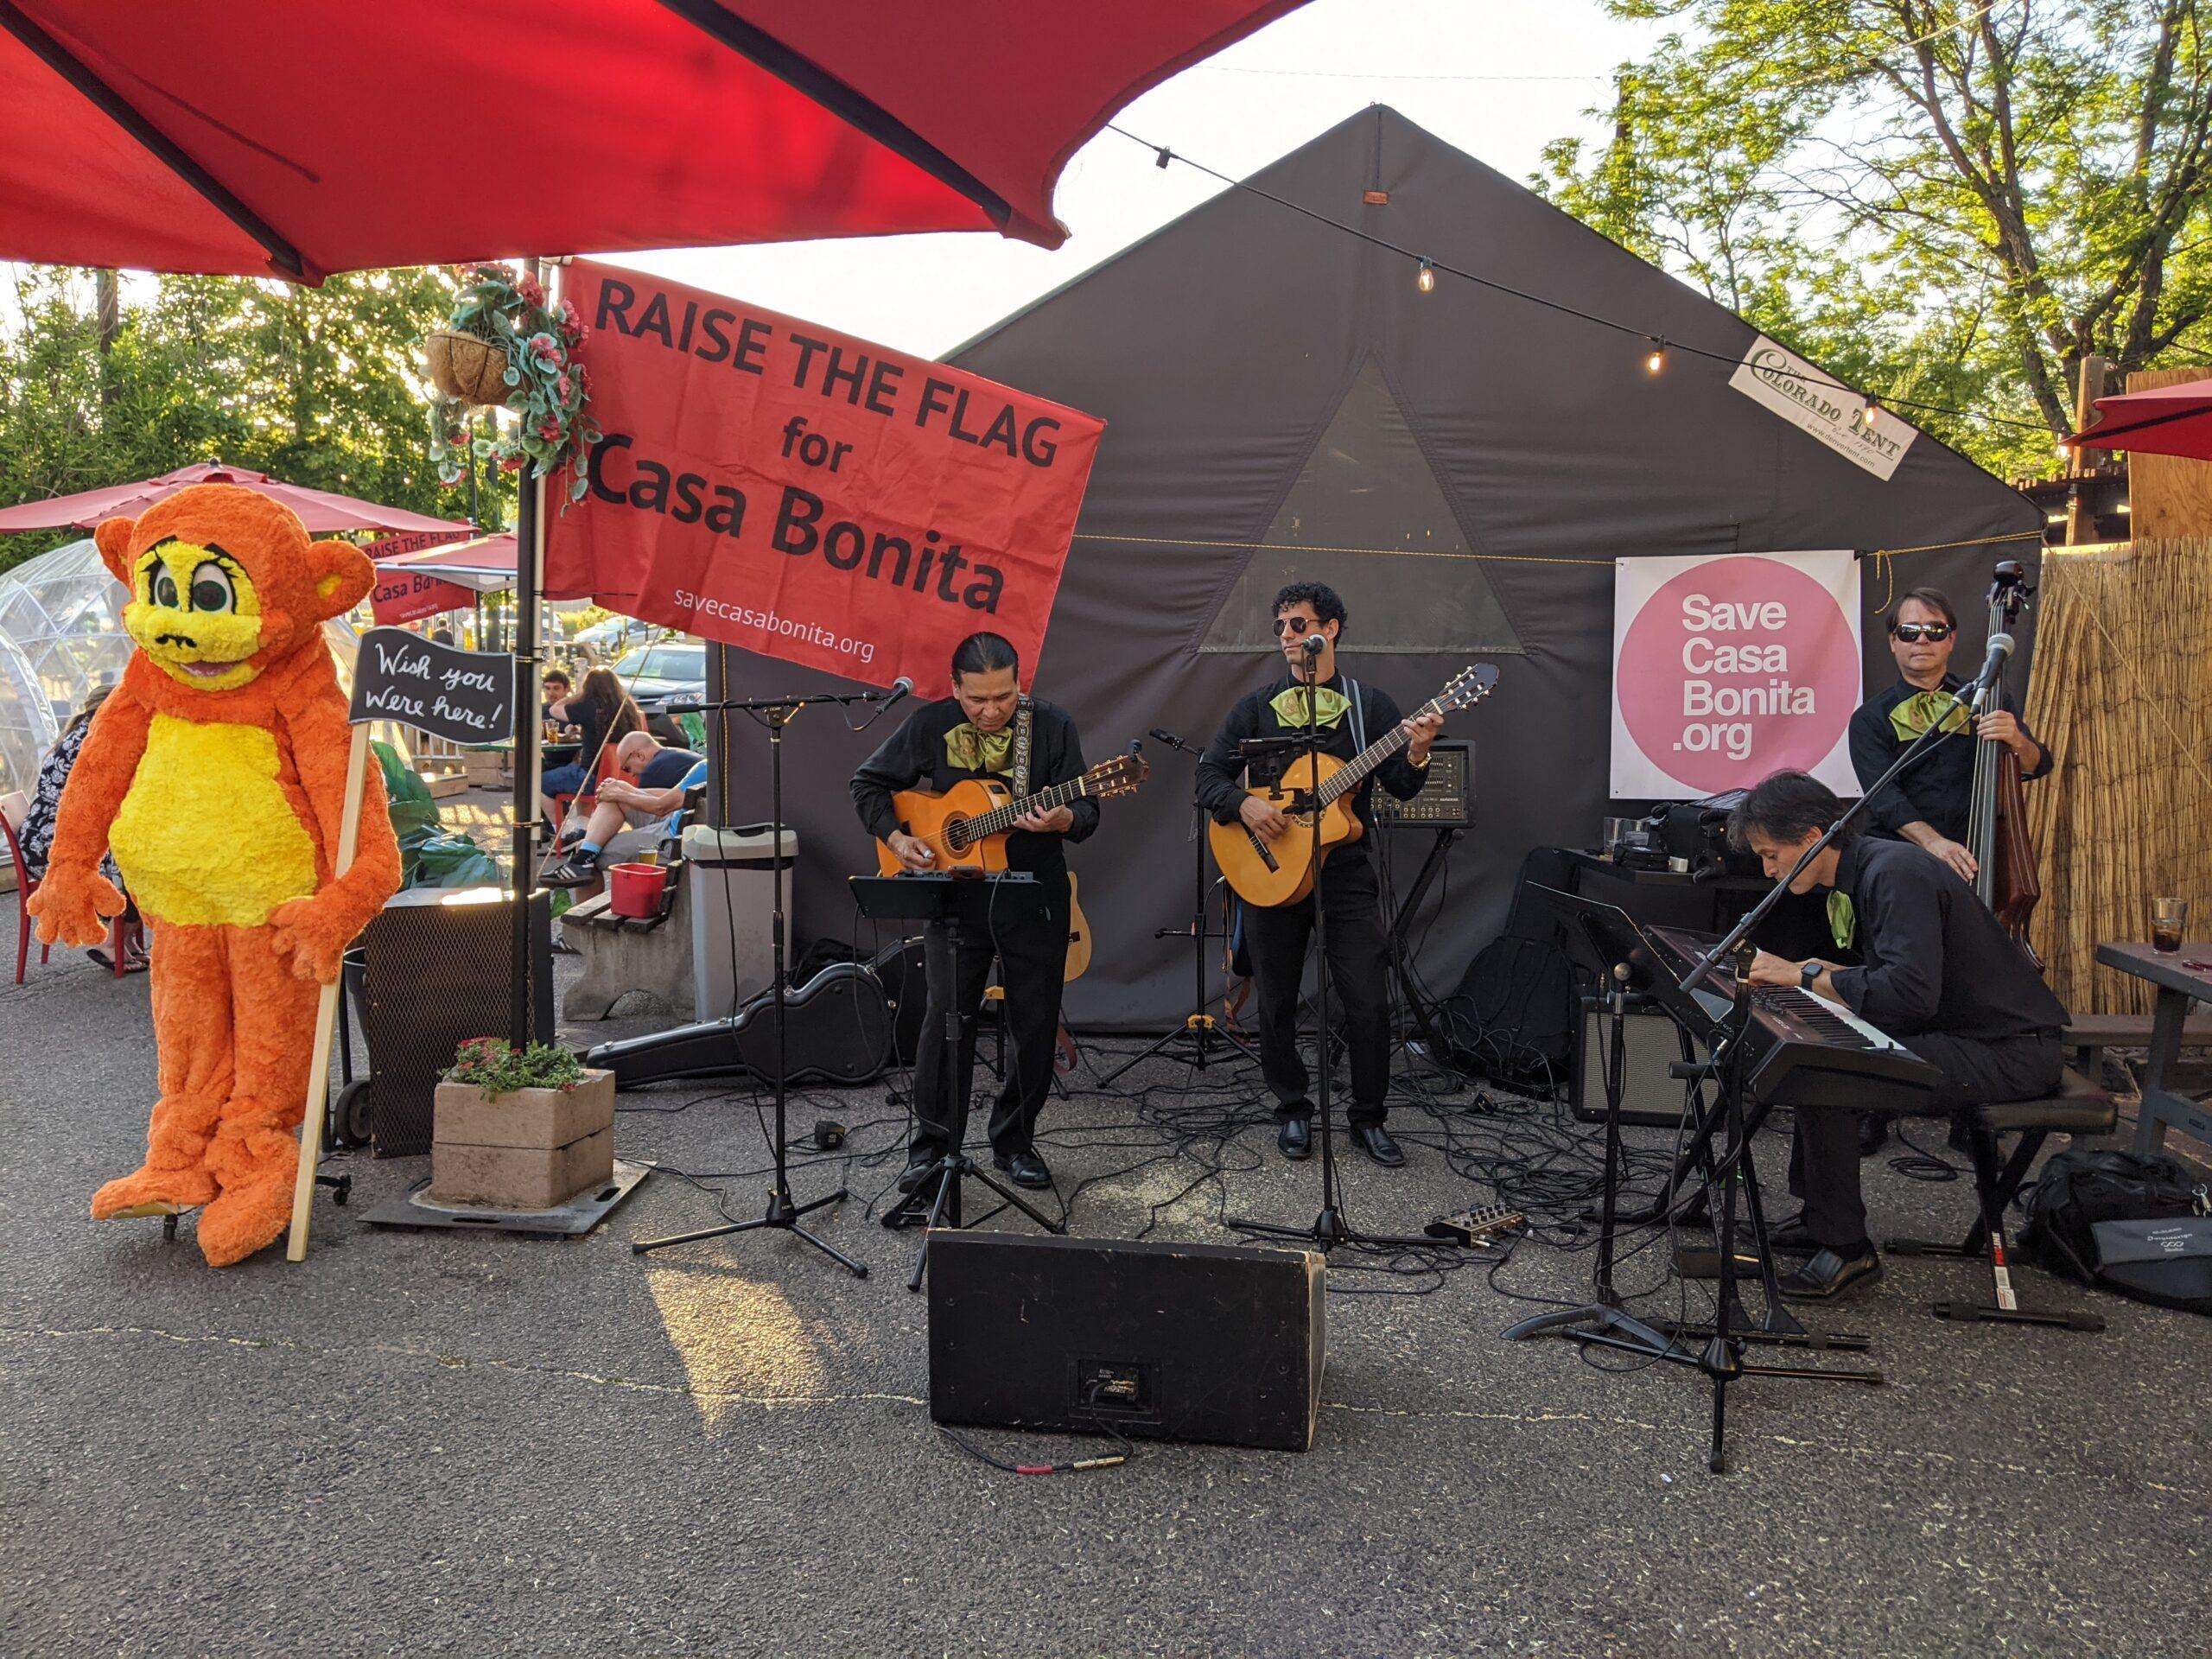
467	696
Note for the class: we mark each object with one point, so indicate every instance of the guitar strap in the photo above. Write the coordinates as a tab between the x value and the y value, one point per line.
1024	725
1358	717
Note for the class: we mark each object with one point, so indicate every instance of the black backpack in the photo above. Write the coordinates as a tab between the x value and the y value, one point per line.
2141	1227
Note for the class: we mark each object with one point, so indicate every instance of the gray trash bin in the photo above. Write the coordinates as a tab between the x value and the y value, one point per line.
732	872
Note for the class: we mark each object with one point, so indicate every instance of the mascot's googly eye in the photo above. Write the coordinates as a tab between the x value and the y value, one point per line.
164	588
211	588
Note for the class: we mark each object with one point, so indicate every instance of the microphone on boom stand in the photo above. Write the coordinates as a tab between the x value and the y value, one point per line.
2000	648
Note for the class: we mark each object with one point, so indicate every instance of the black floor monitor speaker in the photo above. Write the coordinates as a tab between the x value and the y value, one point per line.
1176	1342
897	968
1649	1099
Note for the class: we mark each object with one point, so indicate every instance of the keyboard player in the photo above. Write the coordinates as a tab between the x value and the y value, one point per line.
1938	972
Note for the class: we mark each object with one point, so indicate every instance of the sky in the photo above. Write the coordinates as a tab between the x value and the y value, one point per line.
1498	79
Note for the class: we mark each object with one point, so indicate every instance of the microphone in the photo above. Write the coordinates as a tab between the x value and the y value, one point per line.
1161	734
683	708
2000	648
1314	642
900	688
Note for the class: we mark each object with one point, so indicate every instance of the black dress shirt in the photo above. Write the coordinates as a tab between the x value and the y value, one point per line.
1936	959
1938	788
913	757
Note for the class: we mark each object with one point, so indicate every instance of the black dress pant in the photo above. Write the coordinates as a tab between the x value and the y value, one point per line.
1824	1156
1033	955
1277	939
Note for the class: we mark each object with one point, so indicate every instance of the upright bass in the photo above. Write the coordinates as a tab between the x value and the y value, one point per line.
1997	823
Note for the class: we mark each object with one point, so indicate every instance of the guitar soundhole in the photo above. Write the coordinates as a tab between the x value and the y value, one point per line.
956	835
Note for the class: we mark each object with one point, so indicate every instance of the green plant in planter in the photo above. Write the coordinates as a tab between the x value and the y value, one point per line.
494	1065
547	391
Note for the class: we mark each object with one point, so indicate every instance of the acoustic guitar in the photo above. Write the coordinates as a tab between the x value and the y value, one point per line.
1269	873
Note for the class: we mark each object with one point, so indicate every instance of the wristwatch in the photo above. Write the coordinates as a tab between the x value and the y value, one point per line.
1807	973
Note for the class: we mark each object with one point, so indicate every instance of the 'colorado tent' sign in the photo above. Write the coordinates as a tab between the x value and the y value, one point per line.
1731	666
1811	401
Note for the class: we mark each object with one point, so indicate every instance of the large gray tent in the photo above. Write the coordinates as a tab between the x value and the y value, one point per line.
1274	389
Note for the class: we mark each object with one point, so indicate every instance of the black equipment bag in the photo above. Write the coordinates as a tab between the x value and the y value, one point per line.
1513	1018
2141	1227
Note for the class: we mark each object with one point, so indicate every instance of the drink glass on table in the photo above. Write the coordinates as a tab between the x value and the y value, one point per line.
2169	920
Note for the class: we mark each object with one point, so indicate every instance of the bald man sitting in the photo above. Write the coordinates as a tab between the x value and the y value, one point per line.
645	794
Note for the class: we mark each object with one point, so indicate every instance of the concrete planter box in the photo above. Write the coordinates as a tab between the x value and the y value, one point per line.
531	1149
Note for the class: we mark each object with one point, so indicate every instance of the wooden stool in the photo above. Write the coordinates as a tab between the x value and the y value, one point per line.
2080	1107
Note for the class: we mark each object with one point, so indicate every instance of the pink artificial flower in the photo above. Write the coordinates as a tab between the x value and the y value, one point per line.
530	291
561	386
511	464
549	429
569	312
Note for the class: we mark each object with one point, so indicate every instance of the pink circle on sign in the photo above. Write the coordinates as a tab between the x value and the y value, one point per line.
1739	668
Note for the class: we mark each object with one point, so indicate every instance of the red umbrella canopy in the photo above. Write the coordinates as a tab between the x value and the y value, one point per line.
280	136
2169	420
485	564
322	513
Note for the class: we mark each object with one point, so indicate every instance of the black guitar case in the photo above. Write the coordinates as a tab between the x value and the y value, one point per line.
836	1030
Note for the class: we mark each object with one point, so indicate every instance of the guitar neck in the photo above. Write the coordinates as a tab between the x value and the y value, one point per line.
1002	819
1349	776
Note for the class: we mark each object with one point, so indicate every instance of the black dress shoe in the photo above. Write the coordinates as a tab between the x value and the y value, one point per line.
916	1174
1792	1238
1296	1139
1874	1134
1830	1274
1374	1140
1025	1169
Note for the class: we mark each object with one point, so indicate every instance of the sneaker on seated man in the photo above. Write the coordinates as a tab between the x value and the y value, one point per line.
642	803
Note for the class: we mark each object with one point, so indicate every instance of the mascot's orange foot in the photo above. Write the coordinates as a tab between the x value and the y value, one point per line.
136	1194
255	1206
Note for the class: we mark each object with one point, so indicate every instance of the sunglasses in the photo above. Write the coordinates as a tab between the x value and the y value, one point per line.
1295	626
1935	633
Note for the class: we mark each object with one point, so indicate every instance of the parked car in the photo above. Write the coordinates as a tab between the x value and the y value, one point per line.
671	669
616	635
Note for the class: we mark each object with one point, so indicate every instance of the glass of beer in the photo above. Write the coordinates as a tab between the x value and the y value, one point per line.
2169	920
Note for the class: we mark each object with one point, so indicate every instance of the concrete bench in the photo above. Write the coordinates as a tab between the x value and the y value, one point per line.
621	954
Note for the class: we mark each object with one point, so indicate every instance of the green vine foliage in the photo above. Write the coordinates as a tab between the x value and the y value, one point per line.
494	1065
548	391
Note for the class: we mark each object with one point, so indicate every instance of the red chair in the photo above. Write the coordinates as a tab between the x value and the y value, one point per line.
25	886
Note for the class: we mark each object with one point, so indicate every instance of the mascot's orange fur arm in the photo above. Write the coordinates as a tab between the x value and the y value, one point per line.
74	899
316	930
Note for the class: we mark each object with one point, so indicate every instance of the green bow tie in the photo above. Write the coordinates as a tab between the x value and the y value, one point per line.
967	749
1289	705
1922	710
1843	919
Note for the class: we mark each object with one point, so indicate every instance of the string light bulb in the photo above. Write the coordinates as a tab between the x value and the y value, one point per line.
1426	281
1656	359
1866	415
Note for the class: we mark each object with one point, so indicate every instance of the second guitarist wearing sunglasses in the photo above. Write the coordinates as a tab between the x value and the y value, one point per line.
1929	805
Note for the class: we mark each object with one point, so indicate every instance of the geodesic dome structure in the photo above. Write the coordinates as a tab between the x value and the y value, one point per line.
61	638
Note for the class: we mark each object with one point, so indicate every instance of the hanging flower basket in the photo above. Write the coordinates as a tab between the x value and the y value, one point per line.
464	366
507	347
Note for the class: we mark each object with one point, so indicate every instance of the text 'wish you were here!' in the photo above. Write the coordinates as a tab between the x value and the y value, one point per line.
811	445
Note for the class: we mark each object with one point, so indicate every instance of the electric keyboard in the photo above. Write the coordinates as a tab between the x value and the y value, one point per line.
1805	1050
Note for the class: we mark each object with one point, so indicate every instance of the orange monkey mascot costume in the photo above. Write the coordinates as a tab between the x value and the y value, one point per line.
216	773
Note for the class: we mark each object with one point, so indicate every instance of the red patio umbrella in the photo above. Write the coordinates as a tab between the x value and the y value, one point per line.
322	513
283	135
2169	420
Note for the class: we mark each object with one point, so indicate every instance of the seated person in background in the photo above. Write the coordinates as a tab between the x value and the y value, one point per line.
37	837
646	794
1939	973
558	689
603	712
1929	805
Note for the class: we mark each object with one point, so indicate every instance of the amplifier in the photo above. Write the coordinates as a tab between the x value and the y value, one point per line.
1176	1342
1447	793
899	970
1649	1099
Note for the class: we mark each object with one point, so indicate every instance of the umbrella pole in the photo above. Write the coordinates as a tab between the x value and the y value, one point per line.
529	555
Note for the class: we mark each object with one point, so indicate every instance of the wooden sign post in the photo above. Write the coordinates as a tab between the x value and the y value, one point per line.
465	695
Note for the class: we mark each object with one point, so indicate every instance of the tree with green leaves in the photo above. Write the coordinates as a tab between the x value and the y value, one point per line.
105	382
1947	202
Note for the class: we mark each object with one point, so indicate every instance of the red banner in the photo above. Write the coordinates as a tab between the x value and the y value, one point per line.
404	596
807	495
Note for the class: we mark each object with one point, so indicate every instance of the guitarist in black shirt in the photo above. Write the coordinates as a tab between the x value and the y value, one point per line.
973	734
1352	715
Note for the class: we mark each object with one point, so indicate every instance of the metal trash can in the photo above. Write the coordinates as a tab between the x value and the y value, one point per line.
732	873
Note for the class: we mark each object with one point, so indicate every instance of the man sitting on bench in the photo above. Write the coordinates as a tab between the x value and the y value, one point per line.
646	794
1939	974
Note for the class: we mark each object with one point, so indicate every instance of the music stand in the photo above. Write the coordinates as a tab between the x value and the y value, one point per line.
945	902
1634	968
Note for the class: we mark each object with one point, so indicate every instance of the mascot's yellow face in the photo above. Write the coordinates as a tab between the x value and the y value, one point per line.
224	582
